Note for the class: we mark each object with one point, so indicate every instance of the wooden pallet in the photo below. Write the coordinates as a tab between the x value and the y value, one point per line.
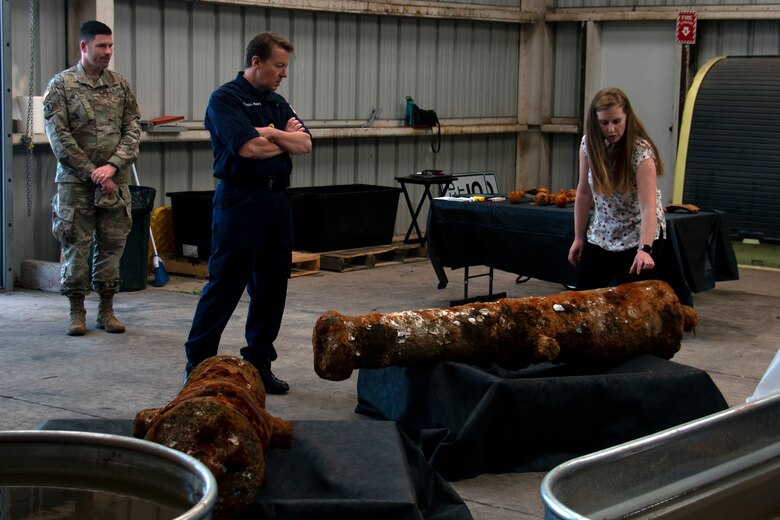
302	264
305	263
185	266
374	256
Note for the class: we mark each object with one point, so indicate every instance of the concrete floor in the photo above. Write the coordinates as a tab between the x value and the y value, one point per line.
46	374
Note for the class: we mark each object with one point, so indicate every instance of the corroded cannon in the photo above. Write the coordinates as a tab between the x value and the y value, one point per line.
573	326
219	417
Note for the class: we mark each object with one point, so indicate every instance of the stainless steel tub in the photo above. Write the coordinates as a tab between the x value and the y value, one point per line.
108	463
725	465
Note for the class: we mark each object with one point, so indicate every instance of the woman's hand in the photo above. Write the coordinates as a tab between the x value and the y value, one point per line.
642	261
575	252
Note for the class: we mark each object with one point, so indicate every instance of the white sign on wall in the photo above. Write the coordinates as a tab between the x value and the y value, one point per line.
472	183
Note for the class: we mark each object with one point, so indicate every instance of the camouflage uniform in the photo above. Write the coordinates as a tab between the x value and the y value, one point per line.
90	124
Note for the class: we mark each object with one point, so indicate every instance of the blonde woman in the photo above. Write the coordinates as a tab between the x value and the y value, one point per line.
619	164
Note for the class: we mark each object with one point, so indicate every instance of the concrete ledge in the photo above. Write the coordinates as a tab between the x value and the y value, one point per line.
37	274
755	254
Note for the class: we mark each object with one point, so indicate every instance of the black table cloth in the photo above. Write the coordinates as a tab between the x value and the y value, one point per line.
470	420
534	241
338	470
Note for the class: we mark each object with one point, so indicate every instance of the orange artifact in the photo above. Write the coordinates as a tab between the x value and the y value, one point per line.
561	200
573	326
542	198
516	196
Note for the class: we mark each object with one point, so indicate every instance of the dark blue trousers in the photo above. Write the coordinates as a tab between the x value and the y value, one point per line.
251	248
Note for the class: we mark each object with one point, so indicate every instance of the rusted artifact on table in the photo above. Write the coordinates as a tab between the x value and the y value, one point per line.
573	326
219	417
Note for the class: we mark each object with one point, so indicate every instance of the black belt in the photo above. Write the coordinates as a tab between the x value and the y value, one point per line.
261	182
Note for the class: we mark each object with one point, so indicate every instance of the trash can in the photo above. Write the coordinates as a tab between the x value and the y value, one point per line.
134	264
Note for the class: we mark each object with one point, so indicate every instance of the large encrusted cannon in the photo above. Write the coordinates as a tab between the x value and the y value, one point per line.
573	326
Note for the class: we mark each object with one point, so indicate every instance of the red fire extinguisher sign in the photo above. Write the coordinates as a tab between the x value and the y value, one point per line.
686	27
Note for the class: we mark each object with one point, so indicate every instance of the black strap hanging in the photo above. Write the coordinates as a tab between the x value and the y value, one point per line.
428	119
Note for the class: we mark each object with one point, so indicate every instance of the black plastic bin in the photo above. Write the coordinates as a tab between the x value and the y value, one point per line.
327	218
324	218
134	264
192	215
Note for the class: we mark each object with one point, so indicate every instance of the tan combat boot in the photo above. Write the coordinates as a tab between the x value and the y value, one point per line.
106	319
78	316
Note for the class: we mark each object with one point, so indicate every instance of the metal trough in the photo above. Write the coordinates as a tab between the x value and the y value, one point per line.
63	464
723	466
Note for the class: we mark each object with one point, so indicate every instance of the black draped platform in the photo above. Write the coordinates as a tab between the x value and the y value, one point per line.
535	240
336	470
469	420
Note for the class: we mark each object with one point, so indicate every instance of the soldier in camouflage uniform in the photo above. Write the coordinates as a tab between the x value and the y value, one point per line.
92	122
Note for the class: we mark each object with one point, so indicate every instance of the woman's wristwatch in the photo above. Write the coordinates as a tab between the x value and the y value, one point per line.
647	249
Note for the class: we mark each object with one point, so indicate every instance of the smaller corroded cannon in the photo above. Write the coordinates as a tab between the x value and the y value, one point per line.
219	417
573	326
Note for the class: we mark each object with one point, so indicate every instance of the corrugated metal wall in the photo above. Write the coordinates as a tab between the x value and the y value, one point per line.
737	38
175	53
344	67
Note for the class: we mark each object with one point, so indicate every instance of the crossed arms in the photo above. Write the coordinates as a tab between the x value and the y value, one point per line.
270	141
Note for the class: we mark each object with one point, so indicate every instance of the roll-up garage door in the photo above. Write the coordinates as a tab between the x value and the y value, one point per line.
729	153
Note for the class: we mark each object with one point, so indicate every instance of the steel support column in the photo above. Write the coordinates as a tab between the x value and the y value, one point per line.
6	190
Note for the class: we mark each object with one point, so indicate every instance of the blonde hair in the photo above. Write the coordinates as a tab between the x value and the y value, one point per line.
620	181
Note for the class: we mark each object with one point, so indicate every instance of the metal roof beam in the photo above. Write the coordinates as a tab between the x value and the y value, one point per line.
611	14
416	9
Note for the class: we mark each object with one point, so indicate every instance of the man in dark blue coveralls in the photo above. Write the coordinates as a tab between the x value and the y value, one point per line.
253	133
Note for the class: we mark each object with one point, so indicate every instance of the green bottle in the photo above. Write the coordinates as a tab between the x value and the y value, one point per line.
409	111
